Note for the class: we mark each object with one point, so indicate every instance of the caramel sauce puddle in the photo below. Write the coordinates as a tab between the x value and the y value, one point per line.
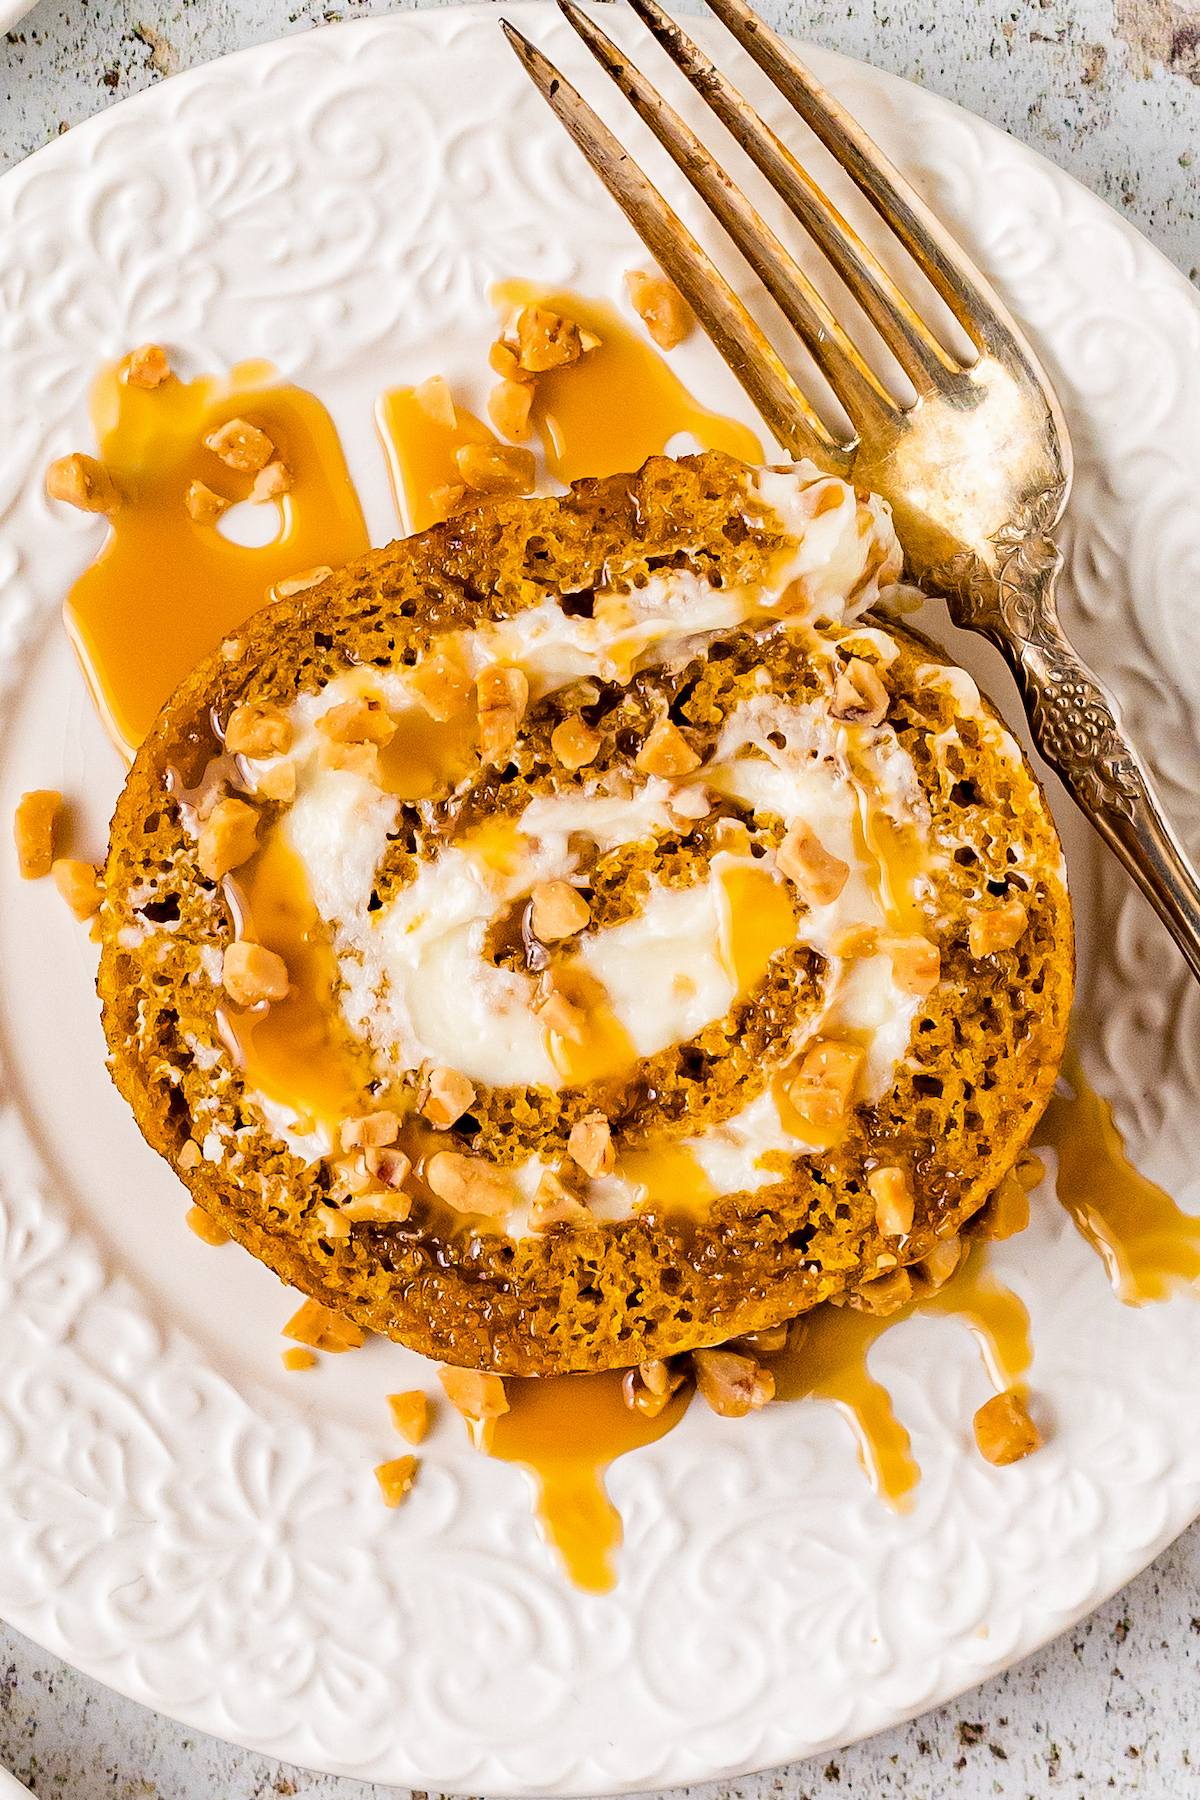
165	590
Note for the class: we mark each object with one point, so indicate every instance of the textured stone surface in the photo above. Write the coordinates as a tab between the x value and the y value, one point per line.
1113	95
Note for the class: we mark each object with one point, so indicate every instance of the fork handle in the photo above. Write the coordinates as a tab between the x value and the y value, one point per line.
1078	731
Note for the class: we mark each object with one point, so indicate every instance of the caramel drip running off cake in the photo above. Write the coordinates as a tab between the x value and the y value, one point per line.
592	929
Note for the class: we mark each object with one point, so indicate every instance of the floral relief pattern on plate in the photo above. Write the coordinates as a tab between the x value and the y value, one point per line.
206	1535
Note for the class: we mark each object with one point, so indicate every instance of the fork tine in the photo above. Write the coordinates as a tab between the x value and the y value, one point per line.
922	357
852	379
978	310
738	339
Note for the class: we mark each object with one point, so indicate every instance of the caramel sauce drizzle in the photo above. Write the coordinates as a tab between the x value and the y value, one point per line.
165	590
565	1430
420	454
1149	1246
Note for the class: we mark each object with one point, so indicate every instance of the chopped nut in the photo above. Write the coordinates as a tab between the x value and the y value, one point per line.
203	505
559	911
361	721
854	941
893	1197
145	367
240	445
83	482
546	340
229	838
396	1479
448	1097
298	1359
650	1387
822	1090
410	1414
323	1329
768	1342
350	1177
441	687
1030	1170
333	1224
803	858
886	1294
190	1155
352	759
1004	1430
557	1012
916	964
690	803
469	1184
436	401
369	1131
590	1145
508	409
35	825
378	1209
80	885
502	694
859	696
389	1166
250	973
553	1204
446	499
504	361
206	1227
942	1262
667	752
231	650
1004	1213
270	482
1000	928
575	743
733	1385
476	1395
733	837
497	469
296	584
660	306
258	729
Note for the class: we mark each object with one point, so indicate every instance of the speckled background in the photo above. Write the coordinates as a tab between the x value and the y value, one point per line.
1110	90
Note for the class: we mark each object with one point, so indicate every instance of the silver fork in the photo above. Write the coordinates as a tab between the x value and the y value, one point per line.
977	470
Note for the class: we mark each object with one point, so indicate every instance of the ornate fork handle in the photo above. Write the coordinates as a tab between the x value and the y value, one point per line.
1075	725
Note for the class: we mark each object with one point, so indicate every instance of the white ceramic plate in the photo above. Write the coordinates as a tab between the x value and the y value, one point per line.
203	1532
12	10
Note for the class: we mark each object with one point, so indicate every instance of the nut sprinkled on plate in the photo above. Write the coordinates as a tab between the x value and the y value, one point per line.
369	1131
733	1385
203	505
323	1329
447	1099
436	401
916	964
822	1090
250	973
590	1145
205	1227
502	694
893	1196
240	445
410	1414
575	743
35	826
666	751
650	1387
258	729
298	1359
660	306
145	367
501	470
805	861
272	481
546	340
441	686
508	409
1000	928
884	1295
396	1479
359	721
859	696
228	839
558	911
472	1392
470	1184
942	1262
84	483
1004	1430
80	885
